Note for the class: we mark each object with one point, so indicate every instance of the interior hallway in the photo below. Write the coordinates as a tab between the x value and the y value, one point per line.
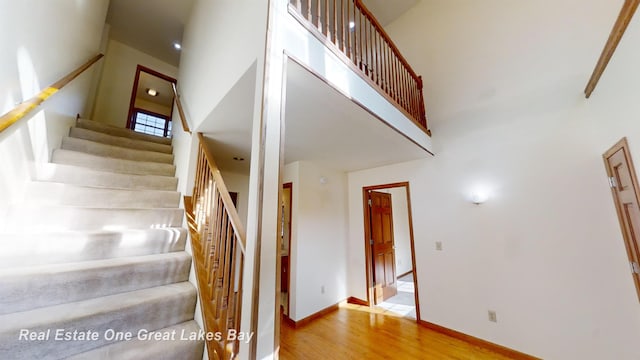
356	332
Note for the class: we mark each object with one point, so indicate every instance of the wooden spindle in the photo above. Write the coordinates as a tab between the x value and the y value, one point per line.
327	19
336	34
344	11
319	15
353	35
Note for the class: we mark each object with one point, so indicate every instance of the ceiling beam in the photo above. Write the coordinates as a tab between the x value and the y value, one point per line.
628	9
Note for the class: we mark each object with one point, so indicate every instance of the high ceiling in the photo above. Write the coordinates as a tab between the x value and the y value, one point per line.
151	26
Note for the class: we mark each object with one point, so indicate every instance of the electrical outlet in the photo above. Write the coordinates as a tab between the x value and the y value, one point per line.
493	317
439	245
322	289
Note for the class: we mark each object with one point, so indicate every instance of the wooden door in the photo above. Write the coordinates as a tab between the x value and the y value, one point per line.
382	246
624	188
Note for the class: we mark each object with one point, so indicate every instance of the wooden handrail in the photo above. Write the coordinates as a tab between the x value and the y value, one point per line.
624	18
218	247
27	106
183	118
224	192
354	34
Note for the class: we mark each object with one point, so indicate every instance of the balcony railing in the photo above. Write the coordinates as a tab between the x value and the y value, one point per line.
354	34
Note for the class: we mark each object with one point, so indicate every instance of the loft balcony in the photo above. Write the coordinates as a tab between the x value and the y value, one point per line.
351	32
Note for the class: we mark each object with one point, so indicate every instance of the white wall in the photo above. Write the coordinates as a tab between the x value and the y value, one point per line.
37	51
401	234
239	183
318	242
545	251
118	76
221	41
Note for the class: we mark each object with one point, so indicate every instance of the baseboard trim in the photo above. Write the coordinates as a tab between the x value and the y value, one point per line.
502	350
404	274
314	316
356	301
287	320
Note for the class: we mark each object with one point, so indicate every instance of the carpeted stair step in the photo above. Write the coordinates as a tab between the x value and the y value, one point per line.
49	193
149	309
77	175
102	163
40	286
139	348
23	249
117	152
122	132
125	142
64	218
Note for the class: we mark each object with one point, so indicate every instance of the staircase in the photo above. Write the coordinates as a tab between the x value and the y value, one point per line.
97	247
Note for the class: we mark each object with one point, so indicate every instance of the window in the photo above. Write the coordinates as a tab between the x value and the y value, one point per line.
151	124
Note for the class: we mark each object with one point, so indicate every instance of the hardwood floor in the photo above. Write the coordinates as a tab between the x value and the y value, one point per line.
355	332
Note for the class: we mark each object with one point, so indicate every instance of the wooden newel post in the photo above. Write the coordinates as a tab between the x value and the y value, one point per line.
423	112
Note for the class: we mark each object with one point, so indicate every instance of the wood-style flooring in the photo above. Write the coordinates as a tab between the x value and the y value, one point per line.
355	332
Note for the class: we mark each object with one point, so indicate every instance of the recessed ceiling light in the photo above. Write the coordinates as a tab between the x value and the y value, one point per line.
152	92
177	46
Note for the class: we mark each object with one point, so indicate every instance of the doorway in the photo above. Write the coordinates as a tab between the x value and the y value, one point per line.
392	283
285	247
151	104
625	191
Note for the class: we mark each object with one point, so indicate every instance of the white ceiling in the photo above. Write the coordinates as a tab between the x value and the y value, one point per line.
321	125
151	26
325	127
388	10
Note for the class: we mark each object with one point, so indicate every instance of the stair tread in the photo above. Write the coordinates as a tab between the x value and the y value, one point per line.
53	269
122	141
45	285
61	217
140	349
123	166
114	151
53	193
84	176
64	313
24	249
110	129
151	309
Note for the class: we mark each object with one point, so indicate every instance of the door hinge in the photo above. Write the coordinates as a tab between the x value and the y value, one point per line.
612	182
371	242
369	202
635	267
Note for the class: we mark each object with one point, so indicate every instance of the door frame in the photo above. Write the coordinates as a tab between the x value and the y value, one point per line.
289	186
367	237
132	100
